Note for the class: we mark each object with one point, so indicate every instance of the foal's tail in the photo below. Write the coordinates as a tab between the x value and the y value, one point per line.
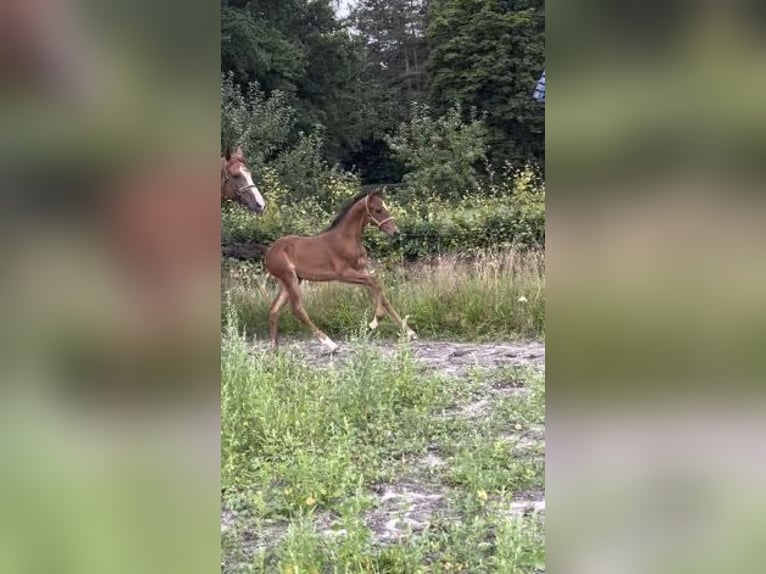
244	250
249	251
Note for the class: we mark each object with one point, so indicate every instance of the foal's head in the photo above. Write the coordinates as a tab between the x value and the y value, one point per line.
237	182
378	214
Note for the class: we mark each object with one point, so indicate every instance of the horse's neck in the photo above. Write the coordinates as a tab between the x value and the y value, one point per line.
352	225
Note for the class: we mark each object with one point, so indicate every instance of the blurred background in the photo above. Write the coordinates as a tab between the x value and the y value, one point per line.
109	302
656	318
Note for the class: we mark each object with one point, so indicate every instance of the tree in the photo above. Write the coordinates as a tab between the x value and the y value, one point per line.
393	33
298	47
256	48
488	54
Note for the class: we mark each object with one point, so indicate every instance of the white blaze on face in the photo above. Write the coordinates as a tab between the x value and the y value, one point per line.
252	188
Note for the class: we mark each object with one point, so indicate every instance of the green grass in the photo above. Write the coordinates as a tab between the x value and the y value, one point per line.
304	450
480	299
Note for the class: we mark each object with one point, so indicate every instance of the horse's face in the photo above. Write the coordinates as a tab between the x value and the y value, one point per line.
379	215
237	183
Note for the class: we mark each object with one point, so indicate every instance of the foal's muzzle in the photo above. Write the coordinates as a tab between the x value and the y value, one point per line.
390	228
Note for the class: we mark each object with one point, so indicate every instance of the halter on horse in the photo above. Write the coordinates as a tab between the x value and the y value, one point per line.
237	182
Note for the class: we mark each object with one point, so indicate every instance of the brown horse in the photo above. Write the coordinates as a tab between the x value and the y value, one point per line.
237	182
337	254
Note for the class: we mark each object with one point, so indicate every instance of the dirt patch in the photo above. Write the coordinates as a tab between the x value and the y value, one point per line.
525	503
431	461
523	507
228	521
401	509
250	537
474	410
445	357
458	359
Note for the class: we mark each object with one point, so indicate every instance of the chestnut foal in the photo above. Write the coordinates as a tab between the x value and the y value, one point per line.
334	255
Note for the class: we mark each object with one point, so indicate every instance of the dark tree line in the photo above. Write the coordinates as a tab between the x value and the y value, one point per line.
352	82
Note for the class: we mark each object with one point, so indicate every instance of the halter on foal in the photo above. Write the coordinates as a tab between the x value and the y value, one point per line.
237	182
334	255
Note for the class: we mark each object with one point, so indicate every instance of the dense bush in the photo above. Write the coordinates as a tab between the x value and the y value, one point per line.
441	153
508	212
260	124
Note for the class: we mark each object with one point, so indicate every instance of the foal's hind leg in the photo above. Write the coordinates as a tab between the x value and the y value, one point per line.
294	292
274	310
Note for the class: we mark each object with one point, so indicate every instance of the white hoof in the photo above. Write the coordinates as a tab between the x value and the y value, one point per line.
331	345
374	324
409	333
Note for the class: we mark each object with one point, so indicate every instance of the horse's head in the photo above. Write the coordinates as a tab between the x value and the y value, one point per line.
378	213
237	182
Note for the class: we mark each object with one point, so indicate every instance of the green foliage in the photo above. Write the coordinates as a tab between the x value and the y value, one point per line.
504	213
489	54
259	123
441	153
302	169
263	125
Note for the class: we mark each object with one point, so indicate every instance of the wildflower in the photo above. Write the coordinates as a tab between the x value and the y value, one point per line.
522	299
310	501
481	494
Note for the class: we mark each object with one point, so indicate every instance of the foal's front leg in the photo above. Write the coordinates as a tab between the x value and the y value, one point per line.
377	301
382	305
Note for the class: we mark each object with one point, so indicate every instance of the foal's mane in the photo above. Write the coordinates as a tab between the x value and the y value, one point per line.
346	207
